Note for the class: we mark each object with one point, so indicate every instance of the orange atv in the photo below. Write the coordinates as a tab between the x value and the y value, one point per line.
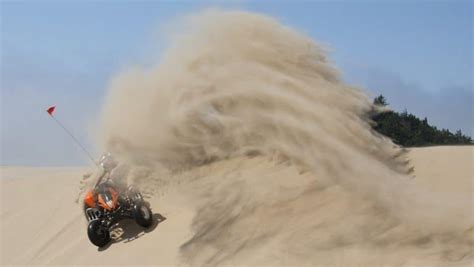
106	204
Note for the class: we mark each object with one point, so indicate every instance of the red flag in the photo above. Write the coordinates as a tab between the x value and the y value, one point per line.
50	110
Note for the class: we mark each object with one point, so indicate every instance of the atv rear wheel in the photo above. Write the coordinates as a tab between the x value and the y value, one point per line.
98	234
142	214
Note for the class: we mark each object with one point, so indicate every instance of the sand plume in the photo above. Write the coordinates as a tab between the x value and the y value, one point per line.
285	166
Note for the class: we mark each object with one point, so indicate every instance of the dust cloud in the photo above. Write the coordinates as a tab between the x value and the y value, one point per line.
283	165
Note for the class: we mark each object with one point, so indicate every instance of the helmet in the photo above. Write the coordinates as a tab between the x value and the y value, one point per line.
107	162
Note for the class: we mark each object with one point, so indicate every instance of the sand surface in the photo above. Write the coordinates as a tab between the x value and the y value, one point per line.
41	223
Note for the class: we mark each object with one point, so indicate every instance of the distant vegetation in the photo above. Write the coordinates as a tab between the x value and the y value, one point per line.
407	130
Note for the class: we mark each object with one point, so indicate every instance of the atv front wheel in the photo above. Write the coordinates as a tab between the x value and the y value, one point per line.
142	214
98	234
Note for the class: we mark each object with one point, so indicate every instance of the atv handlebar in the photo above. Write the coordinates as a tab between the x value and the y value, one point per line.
99	181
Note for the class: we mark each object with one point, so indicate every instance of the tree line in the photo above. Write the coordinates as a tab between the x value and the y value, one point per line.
408	130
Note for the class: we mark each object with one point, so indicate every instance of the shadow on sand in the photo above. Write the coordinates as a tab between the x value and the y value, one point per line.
128	230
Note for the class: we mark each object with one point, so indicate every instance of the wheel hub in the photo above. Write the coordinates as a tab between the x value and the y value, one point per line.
145	212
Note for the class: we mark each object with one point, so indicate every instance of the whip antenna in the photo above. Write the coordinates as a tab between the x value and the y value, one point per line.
50	111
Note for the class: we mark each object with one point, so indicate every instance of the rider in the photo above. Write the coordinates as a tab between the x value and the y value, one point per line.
106	165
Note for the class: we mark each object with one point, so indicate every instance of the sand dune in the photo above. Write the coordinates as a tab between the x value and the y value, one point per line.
41	223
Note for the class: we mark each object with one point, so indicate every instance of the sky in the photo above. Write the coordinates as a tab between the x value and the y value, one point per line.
419	54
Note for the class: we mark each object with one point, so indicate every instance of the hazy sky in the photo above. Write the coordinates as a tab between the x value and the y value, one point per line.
418	53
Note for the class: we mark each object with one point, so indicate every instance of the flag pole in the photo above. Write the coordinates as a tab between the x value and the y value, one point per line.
50	111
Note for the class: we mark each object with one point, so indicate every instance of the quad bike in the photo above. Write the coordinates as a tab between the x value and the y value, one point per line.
106	204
